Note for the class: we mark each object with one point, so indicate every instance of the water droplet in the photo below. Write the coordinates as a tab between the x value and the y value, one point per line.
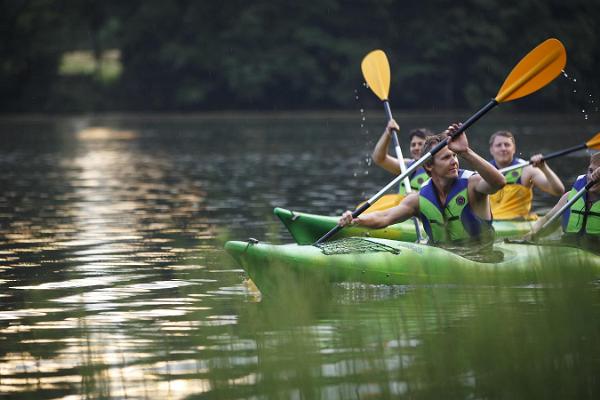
574	90
363	118
356	97
362	110
582	111
574	79
366	172
355	174
586	116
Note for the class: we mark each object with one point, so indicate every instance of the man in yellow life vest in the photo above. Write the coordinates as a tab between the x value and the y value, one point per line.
390	163
580	222
453	205
515	199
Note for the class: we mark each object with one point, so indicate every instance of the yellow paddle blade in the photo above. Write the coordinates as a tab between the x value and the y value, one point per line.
594	143
539	67
376	71
386	201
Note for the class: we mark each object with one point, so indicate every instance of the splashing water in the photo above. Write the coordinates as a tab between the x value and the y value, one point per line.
588	100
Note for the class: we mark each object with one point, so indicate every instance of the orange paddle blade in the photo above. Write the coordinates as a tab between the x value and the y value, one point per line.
594	143
376	71
539	67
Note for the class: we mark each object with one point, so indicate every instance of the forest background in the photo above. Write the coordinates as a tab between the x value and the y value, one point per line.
65	56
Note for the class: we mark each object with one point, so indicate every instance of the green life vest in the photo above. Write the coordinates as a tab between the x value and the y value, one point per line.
455	221
416	179
580	219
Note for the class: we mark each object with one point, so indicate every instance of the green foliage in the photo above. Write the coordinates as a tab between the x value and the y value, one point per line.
188	55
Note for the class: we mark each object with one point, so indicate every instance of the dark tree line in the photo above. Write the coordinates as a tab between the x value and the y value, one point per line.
190	55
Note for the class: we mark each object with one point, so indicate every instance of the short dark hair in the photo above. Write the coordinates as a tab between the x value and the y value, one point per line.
419	132
505	134
430	142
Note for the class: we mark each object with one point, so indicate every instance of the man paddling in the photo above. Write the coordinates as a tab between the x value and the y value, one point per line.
514	201
580	222
453	205
381	157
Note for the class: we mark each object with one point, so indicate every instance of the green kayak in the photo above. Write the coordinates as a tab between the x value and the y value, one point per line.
308	228
389	262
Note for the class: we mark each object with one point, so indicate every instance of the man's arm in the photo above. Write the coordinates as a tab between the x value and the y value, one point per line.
490	180
380	152
544	178
409	207
537	226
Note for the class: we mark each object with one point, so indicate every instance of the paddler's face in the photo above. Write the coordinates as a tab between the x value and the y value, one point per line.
503	149
445	164
594	172
416	144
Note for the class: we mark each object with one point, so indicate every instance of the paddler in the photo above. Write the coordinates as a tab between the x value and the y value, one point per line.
580	222
381	157
453	204
514	201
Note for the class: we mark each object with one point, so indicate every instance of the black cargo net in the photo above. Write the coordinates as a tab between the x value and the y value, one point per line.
354	245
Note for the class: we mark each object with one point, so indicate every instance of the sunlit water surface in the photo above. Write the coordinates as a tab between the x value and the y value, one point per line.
114	283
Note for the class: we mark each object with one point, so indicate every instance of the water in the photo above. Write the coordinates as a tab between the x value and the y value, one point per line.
114	283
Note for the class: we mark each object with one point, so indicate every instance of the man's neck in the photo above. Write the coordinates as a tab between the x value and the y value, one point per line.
443	186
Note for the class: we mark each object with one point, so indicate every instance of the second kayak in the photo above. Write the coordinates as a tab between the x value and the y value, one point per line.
308	228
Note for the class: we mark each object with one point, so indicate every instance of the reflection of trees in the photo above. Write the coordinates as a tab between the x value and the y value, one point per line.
90	238
430	343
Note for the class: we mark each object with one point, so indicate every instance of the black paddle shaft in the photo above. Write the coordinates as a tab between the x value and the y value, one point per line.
491	104
463	127
565	151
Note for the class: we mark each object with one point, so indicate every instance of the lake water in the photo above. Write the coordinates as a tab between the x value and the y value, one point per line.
114	283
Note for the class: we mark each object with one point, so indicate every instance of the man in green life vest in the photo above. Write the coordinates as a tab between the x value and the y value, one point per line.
381	157
580	222
453	204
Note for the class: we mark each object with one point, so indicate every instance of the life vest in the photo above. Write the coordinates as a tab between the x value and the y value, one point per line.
514	200
455	220
580	220
417	178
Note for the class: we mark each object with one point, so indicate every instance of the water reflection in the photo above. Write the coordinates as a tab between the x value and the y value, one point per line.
113	281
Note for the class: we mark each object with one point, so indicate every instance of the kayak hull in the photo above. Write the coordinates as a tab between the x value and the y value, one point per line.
308	228
401	263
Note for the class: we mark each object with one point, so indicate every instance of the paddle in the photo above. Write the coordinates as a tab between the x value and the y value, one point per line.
568	205
593	143
538	68
376	71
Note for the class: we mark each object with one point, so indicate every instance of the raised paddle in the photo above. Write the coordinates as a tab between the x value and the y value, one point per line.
538	68
593	143
568	205
376	71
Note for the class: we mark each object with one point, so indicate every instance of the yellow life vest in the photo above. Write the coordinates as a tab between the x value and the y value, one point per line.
514	200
